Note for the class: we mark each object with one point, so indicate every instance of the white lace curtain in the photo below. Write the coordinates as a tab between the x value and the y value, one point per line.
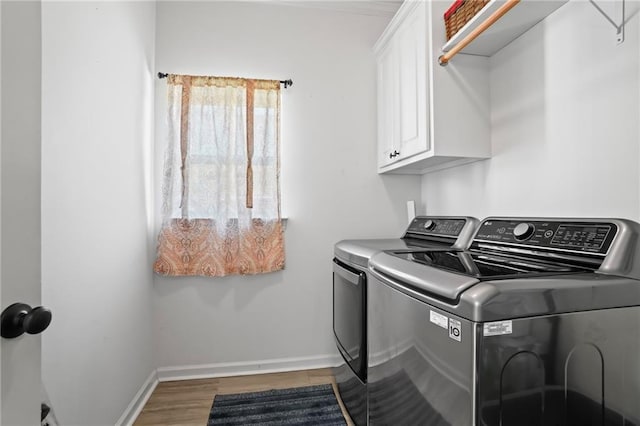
221	192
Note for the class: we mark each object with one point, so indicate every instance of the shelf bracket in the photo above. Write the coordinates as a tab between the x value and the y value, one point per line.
620	17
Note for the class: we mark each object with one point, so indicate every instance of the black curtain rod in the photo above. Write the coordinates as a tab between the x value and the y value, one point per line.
287	83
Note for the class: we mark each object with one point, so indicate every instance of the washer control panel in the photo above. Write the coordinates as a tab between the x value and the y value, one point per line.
446	227
591	237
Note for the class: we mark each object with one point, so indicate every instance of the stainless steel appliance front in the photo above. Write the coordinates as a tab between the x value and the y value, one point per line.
349	316
430	367
575	369
350	332
418	374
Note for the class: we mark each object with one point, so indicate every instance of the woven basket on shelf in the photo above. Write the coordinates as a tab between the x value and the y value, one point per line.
460	12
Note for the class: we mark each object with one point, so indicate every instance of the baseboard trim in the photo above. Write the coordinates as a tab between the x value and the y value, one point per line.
208	371
139	400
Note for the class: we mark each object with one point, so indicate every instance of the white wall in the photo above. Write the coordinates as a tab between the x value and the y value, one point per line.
330	187
565	135
97	115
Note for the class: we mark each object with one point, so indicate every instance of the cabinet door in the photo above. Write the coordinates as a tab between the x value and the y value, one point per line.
412	82
387	105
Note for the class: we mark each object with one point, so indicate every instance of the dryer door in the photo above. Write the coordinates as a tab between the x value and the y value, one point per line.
349	316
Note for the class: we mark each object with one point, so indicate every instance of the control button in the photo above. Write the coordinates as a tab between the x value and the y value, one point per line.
523	230
429	225
548	234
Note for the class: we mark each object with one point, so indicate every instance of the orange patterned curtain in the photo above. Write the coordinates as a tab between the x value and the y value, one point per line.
221	192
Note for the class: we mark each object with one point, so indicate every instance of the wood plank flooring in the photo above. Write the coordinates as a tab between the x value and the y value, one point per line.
188	402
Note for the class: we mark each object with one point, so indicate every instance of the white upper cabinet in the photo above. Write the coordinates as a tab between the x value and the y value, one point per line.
388	103
413	86
429	117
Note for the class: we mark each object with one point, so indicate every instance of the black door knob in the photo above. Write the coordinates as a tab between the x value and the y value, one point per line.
19	318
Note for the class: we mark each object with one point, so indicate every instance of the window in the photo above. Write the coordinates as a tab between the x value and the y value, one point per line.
221	195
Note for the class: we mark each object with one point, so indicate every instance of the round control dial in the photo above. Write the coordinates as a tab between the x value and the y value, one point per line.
429	225
523	231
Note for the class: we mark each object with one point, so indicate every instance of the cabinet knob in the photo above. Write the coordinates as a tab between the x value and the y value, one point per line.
394	154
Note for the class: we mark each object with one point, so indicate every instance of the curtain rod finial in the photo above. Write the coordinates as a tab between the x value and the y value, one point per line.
163	75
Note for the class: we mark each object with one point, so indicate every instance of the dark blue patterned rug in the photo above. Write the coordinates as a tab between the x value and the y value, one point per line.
311	405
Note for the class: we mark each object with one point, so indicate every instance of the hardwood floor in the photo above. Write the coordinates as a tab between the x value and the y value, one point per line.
188	402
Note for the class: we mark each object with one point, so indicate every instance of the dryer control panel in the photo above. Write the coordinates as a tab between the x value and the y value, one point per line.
446	227
589	237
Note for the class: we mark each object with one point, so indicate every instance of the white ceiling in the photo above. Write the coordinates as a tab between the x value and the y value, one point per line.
386	8
360	7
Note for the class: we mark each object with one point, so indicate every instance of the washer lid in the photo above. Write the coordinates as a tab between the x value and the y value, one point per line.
506	297
358	252
486	265
433	282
